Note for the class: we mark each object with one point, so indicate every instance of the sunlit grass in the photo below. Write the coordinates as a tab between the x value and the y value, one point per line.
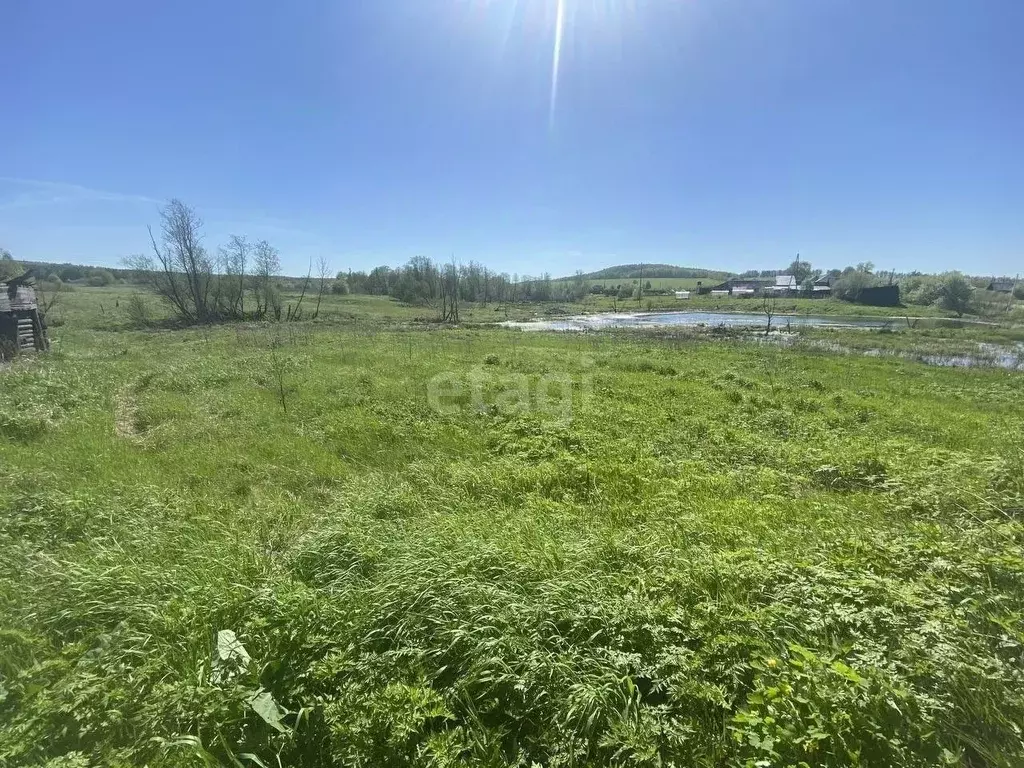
731	553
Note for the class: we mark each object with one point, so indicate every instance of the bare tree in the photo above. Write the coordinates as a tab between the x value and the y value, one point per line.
296	314
278	369
234	259
450	293
266	266
48	297
769	304
180	272
323	272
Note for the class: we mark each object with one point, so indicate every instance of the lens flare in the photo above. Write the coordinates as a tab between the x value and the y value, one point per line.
556	60
557	35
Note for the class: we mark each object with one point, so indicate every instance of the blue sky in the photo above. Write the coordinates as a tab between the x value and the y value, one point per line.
717	133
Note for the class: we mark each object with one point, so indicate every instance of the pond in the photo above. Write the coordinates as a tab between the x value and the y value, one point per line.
986	355
730	319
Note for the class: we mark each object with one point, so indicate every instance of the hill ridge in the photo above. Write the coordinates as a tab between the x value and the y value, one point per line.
636	271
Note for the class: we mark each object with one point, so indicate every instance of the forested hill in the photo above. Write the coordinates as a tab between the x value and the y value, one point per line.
633	271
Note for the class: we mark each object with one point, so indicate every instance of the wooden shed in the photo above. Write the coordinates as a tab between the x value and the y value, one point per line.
21	327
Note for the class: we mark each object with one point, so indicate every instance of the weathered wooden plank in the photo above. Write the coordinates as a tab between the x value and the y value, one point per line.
22	299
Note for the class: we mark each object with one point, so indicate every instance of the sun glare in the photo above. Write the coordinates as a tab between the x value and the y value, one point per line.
588	27
556	59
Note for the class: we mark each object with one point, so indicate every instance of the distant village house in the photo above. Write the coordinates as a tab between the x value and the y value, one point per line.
745	287
822	286
784	284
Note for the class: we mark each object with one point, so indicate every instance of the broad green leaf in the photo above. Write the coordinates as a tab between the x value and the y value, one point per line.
263	704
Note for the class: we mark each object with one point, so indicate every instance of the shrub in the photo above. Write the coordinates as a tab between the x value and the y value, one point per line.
100	278
850	286
138	311
956	294
8	266
921	290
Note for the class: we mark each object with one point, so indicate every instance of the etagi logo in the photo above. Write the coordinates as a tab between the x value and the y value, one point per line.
483	389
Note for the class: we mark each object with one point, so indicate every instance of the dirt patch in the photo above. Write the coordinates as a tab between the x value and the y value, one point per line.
125	410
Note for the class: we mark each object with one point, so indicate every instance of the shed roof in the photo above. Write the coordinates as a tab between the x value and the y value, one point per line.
19	299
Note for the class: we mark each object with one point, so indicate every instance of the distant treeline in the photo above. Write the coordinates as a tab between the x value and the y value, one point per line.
424	281
75	273
214	286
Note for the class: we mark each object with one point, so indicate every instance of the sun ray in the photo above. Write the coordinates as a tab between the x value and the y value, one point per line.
556	61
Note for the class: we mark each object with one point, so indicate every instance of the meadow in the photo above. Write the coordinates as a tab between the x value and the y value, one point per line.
370	540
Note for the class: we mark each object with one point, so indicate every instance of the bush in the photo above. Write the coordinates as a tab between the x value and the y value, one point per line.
956	294
138	311
8	266
921	290
851	285
100	278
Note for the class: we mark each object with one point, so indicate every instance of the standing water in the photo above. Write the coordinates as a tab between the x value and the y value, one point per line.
669	319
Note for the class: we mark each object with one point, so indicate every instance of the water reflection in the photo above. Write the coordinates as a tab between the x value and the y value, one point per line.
987	355
723	319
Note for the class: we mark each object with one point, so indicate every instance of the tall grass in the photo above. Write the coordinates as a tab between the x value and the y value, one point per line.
730	555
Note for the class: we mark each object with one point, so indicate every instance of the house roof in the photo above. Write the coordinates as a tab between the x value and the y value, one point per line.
1003	286
786	281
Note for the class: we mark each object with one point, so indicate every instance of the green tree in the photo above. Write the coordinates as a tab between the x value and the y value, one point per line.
8	266
801	270
100	277
72	272
923	290
956	294
850	286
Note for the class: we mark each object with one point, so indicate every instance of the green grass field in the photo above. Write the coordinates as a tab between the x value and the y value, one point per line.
485	547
